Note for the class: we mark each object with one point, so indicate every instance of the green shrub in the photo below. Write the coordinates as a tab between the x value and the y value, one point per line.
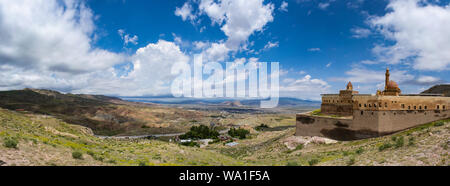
292	163
384	146
345	153
438	123
98	157
411	141
142	163
200	132
399	142
351	161
77	155
241	133
10	143
190	144
313	162
360	150
90	153
393	138
299	147
262	127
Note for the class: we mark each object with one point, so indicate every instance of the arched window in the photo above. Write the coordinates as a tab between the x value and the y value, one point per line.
362	112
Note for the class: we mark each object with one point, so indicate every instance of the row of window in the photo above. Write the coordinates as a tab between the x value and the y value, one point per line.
403	106
337	101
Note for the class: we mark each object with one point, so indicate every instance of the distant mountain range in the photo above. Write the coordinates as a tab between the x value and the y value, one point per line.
282	102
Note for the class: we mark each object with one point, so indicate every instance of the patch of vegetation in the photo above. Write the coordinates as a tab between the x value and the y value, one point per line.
261	127
384	146
90	153
142	163
298	147
393	138
351	161
313	162
316	112
190	144
241	133
411	141
399	142
77	155
10	142
200	132
360	150
439	123
345	153
292	163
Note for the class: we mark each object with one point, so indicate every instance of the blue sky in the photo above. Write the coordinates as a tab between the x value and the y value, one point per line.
320	44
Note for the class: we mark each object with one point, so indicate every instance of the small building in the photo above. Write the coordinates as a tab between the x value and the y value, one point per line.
350	115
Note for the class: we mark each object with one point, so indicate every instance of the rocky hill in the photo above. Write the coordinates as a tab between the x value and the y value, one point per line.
439	89
104	115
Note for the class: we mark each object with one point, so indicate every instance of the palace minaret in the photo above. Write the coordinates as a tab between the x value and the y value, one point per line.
387	79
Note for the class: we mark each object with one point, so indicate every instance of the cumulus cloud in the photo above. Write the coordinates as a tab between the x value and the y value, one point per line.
234	19
127	38
304	88
283	6
49	44
51	35
270	45
420	32
185	12
425	81
360	32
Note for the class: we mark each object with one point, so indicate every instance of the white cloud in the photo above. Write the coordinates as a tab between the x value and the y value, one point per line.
304	88
127	38
283	6
217	52
185	12
328	64
420	33
360	32
427	80
324	6
314	49
198	45
363	75
270	45
236	21
50	35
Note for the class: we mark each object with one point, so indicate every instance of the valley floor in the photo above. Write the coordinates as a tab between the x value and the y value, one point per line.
30	139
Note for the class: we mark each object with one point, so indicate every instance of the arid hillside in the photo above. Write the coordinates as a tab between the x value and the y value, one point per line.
104	115
35	139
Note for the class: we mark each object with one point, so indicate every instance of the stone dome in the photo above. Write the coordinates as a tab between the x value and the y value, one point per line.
392	85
